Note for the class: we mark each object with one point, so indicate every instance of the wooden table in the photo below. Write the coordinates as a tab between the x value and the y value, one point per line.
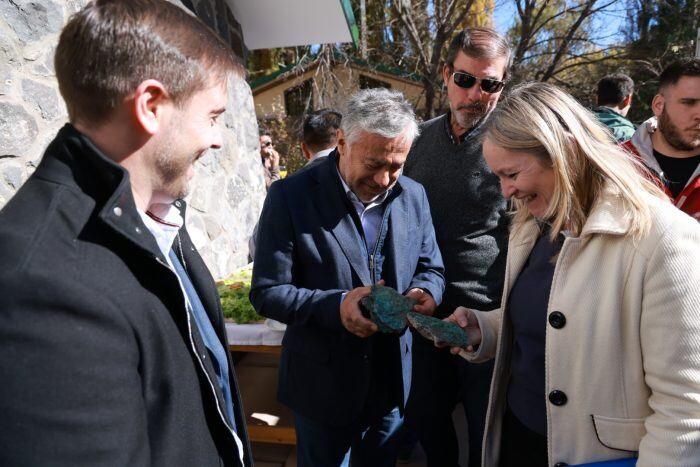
257	378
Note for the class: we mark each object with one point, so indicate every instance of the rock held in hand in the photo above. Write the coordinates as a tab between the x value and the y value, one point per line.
438	331
387	308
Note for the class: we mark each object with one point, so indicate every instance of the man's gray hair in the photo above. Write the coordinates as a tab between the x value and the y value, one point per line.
380	111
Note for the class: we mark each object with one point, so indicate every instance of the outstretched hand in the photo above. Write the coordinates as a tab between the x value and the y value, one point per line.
466	319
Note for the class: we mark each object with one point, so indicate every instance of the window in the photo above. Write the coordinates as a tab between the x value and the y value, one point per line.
299	98
368	83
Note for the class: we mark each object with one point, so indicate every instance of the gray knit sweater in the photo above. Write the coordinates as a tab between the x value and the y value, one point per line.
468	212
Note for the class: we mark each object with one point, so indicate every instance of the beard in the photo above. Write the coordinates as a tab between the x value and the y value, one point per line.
171	171
673	136
468	116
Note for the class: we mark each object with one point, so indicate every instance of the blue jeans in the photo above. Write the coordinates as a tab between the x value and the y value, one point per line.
371	445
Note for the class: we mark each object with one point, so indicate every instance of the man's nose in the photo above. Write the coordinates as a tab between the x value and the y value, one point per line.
382	179
474	92
217	139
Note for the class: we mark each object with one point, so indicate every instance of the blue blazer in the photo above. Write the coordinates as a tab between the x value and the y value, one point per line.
309	252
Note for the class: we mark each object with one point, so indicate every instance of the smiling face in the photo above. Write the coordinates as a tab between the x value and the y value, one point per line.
370	164
522	176
191	130
469	106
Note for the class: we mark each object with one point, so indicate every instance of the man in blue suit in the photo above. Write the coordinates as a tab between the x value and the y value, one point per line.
326	235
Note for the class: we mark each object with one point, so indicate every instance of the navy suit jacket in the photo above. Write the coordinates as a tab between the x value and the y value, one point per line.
309	252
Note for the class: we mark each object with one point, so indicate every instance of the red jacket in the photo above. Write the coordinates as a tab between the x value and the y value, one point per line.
640	145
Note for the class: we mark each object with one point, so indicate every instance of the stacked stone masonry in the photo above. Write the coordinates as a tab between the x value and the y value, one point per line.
228	189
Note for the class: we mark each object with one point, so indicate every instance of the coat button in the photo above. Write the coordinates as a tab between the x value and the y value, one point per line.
557	397
138	230
117	211
560	464
557	319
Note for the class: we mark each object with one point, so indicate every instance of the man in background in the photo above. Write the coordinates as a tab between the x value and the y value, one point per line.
320	134
472	232
614	101
270	159
669	142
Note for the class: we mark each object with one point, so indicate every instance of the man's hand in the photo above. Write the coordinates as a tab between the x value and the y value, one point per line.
351	315
466	319
426	304
272	157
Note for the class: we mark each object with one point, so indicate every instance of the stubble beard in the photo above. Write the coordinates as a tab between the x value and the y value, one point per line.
673	135
468	120
171	172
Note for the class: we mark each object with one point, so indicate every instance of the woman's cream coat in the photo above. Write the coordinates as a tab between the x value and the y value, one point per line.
628	357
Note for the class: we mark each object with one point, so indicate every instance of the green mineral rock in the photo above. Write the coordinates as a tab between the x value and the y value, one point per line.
387	308
438	331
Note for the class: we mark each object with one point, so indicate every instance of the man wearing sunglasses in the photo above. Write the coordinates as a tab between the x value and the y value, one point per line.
471	228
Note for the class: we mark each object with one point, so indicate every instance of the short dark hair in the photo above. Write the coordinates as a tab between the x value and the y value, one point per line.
678	69
111	46
613	89
320	129
479	43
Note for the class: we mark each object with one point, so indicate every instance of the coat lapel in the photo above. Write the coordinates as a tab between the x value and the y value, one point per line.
334	213
398	238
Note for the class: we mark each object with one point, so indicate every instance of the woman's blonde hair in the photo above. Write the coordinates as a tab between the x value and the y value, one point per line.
543	120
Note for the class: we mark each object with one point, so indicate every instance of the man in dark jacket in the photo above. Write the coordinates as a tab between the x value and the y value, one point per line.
113	343
327	234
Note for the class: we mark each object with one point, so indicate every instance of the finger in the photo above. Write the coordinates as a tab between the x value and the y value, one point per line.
381	282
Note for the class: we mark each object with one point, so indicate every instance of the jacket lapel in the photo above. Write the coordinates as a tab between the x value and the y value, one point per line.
398	237
333	209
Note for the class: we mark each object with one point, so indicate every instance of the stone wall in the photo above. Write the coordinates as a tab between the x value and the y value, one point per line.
228	188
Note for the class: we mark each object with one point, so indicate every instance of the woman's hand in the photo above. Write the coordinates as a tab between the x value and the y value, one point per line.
466	319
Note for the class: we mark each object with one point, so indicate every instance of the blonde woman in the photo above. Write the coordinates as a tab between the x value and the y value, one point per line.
597	343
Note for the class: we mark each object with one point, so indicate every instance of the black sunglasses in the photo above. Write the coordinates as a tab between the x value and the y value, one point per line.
466	81
266	144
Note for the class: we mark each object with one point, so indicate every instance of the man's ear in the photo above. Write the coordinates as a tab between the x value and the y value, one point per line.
627	101
149	103
305	151
657	104
446	70
342	143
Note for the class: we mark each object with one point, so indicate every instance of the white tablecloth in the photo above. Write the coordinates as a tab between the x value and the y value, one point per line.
252	334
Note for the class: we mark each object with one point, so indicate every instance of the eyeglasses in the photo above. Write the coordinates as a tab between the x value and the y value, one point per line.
465	80
266	144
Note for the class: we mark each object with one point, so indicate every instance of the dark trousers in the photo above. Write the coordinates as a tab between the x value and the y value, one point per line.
520	445
374	444
440	380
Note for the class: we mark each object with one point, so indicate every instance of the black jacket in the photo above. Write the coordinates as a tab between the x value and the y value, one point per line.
97	360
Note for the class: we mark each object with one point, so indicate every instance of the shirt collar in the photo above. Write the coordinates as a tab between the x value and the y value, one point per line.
321	154
463	136
164	229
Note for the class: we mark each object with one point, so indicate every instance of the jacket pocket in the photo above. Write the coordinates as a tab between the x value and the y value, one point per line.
623	434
